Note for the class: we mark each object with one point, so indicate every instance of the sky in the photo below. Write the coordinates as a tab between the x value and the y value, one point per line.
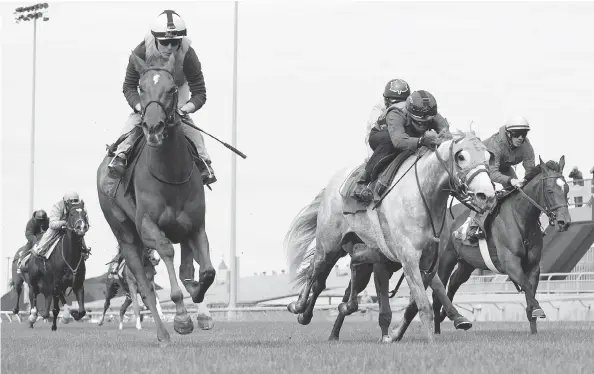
309	74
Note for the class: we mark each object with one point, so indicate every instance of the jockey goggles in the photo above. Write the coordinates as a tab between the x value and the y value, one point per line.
417	118
518	133
166	42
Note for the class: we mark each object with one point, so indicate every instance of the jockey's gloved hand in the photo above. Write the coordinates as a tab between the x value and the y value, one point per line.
430	139
186	109
137	108
516	182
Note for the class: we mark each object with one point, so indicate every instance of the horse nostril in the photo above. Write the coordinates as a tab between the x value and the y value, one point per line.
481	196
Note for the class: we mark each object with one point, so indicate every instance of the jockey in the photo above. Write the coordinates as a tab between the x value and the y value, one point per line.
396	90
167	36
57	220
402	126
509	146
36	225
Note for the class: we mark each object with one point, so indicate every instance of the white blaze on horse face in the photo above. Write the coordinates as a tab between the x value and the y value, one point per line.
156	78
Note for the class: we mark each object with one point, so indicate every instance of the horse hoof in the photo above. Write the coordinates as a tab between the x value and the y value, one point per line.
183	324
538	313
292	307
204	283
385	339
303	320
54	328
31	324
333	338
100	323
461	323
205	322
66	320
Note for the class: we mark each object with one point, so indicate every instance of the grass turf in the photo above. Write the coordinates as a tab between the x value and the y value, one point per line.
287	347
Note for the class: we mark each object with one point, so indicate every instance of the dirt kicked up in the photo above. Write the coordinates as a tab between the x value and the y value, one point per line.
287	347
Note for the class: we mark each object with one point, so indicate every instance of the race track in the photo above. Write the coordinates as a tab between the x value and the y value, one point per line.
287	347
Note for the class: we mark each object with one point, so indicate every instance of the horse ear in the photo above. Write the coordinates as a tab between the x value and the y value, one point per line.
562	163
170	64
139	63
542	164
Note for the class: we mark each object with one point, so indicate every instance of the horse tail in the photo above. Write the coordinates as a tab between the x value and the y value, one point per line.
297	242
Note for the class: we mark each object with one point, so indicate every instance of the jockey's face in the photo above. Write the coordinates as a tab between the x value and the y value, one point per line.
168	46
421	125
517	138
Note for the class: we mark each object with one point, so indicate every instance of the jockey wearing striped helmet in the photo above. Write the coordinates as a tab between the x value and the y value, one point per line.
509	147
404	125
168	36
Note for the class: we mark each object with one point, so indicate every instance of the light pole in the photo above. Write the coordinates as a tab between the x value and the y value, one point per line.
24	14
8	273
233	257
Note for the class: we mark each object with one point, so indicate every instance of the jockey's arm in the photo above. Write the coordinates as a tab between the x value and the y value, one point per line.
441	124
529	160
55	217
400	139
130	87
195	78
494	168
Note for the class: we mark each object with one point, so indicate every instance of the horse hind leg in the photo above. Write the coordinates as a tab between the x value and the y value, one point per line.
186	275
111	292
335	333
533	277
123	309
18	289
460	322
135	304
382	277
360	276
198	246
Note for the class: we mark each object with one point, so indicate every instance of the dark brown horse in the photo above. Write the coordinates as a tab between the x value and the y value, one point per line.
19	278
167	205
513	236
64	268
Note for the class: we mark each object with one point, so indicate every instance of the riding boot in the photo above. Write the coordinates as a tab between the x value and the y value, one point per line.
117	166
208	176
362	190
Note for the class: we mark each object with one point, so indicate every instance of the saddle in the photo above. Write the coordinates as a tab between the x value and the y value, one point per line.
379	185
111	185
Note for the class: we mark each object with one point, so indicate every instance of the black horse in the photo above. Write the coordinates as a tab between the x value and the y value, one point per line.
64	268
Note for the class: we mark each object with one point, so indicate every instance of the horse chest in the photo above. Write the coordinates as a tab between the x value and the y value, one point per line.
174	221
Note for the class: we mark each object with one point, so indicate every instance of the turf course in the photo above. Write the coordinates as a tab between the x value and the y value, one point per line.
287	347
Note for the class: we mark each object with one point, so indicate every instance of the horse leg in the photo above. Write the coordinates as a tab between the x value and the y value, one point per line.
135	304
48	304
460	322
382	277
79	293
33	303
123	309
186	275
446	263
417	284
198	246
111	292
513	268
409	314
360	276
56	311
533	277
334	334
18	288
182	322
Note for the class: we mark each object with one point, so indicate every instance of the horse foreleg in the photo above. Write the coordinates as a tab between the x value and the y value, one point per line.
419	300
182	322
533	278
197	246
135	304
18	288
460	322
111	292
123	309
33	303
56	311
186	275
446	263
382	277
79	293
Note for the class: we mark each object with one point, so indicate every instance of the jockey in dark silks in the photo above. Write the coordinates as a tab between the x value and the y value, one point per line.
38	223
402	126
167	37
509	146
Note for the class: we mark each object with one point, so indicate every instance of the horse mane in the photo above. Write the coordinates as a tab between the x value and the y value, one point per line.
552	165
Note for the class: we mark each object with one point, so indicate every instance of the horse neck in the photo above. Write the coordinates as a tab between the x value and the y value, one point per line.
172	160
524	209
434	178
72	247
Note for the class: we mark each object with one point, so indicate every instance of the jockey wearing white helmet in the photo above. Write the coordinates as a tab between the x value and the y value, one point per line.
509	147
167	37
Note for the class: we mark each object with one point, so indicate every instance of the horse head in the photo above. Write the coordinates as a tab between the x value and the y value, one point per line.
78	220
158	99
468	170
548	189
